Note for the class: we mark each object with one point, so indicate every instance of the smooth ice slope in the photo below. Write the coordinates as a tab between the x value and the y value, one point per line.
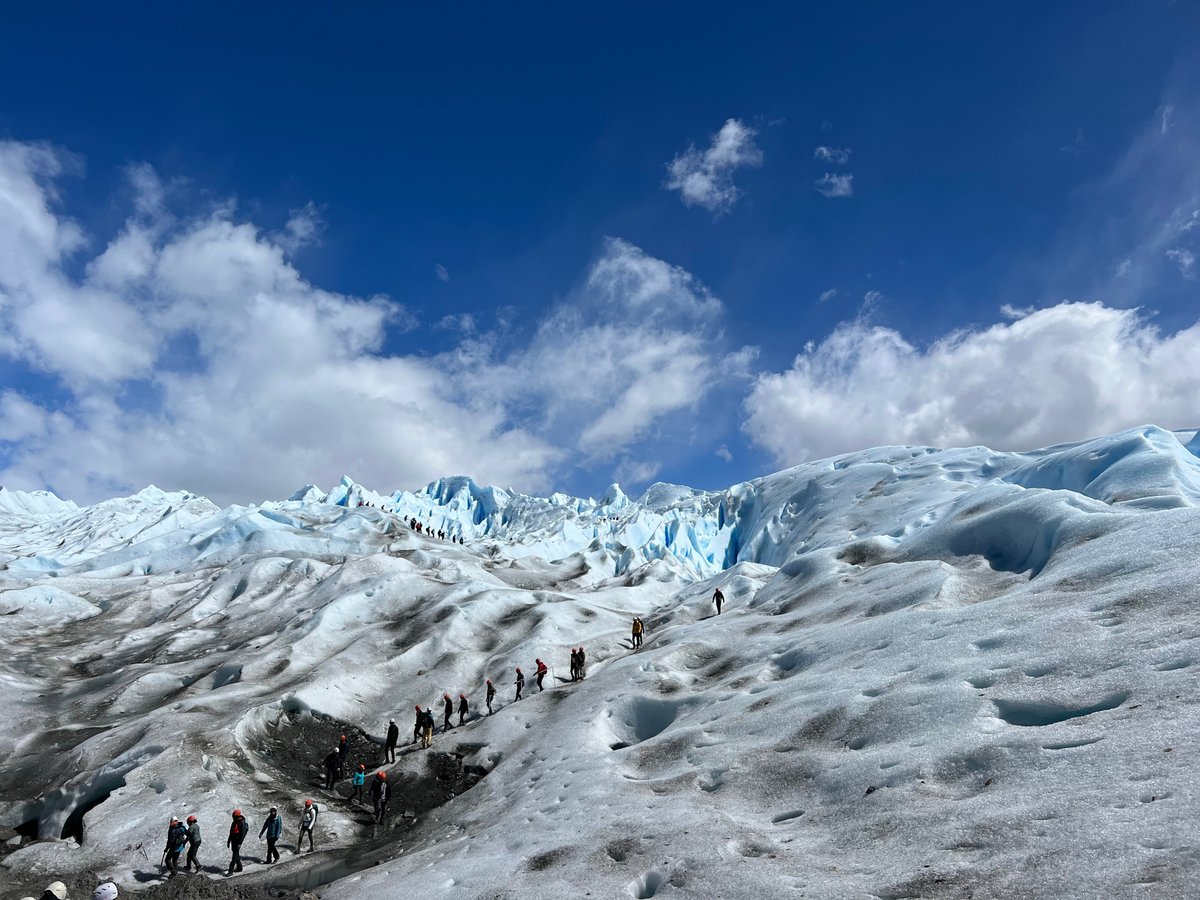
940	673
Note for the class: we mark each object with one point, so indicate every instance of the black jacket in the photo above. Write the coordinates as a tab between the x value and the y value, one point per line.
237	831
393	734
332	761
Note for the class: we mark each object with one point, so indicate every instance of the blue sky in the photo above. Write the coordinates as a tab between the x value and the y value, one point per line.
246	248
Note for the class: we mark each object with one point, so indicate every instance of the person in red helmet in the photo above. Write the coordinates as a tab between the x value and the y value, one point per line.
448	709
194	840
541	673
381	792
176	839
582	657
308	823
417	727
393	735
237	834
520	683
491	695
462	708
358	780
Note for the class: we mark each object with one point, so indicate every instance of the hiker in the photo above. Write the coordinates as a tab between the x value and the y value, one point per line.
343	753
520	683
427	729
718	599
448	708
419	723
462	708
272	828
237	834
638	629
582	664
380	792
541	673
308	822
393	735
491	695
332	761
106	891
176	838
574	664
56	890
194	841
358	780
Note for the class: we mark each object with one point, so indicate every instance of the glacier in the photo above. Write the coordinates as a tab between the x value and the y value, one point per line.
939	673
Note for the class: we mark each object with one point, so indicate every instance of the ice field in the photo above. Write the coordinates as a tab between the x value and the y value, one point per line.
938	673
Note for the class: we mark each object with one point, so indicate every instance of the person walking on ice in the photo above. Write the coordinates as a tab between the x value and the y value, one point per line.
176	839
358	780
541	673
448	709
491	695
194	841
638	629
581	663
381	791
332	763
308	823
417	726
427	729
272	828
393	735
237	834
462	708
520	683
718	599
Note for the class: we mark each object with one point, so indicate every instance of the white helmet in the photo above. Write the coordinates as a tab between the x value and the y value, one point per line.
58	889
106	891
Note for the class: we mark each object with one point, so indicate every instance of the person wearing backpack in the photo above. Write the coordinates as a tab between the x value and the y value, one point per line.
358	779
272	828
237	834
332	763
417	726
491	695
427	729
448	709
462	708
176	838
194	841
520	683
308	822
541	673
581	663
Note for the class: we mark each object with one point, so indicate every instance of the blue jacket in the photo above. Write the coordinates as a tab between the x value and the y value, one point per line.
273	828
359	778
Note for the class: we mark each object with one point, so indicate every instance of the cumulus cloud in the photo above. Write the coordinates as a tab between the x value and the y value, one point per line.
834	155
194	354
830	185
191	352
443	274
637	344
705	177
1056	374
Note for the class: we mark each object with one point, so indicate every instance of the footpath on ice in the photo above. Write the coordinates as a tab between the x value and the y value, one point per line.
937	673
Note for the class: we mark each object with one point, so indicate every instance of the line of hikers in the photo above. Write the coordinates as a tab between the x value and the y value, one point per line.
180	835
418	527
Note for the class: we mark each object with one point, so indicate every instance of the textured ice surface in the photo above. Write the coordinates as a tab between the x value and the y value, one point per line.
939	673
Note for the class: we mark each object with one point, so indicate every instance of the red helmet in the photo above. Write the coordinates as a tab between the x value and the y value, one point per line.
382	776
518	668
191	819
446	695
308	803
236	813
489	681
361	767
418	707
464	696
343	737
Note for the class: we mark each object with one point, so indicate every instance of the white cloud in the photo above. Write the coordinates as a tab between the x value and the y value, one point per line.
1015	312
1165	119
194	354
1123	268
1185	259
828	295
831	185
839	157
303	227
631	473
1056	374
723	453
284	383
705	178
443	274
638	344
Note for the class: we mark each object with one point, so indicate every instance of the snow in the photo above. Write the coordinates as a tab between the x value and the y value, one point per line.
938	673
